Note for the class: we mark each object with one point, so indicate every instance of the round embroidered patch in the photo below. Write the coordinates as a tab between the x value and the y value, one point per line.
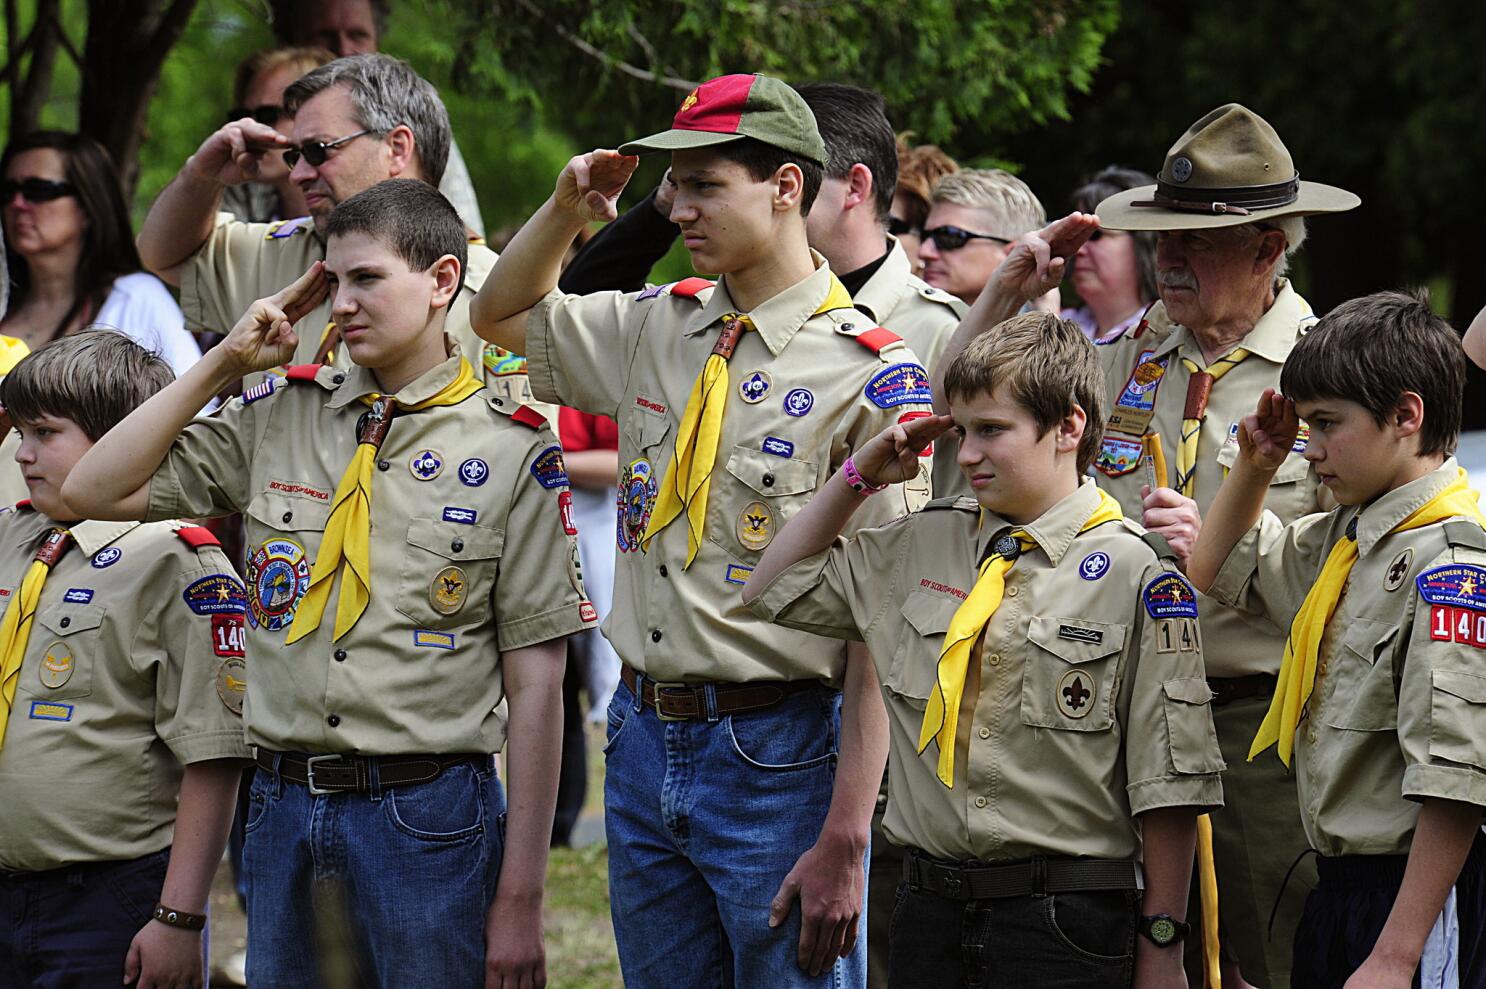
1094	566
426	464
1076	694
278	575
636	496
232	683
448	590
755	387
57	665
756	526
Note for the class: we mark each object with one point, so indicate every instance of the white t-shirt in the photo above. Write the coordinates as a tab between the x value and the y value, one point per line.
142	308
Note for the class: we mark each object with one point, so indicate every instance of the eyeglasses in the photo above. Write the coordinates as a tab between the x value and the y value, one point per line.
953	238
268	114
315	152
897	226
34	190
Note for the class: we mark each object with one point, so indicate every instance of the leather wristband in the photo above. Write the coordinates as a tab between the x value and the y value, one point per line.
179	918
858	483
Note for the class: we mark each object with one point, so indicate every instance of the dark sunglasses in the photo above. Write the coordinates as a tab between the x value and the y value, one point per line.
35	190
1101	232
953	238
897	226
315	152
268	114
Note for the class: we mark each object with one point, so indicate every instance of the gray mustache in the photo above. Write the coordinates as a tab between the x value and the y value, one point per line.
1176	279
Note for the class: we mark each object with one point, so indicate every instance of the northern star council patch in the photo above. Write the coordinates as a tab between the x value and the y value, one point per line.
1169	596
1460	585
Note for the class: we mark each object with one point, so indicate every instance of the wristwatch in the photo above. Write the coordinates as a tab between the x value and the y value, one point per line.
1163	930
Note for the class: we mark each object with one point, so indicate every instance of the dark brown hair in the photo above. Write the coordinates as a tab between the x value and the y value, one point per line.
762	160
854	126
412	218
1102	185
94	378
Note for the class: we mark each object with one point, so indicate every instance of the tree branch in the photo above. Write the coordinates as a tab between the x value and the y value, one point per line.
634	71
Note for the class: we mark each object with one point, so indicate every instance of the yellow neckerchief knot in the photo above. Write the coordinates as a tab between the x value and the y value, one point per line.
942	716
1199	388
15	627
688	477
347	537
1302	648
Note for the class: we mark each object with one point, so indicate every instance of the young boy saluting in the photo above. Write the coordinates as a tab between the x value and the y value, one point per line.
407	568
1381	691
1042	668
121	659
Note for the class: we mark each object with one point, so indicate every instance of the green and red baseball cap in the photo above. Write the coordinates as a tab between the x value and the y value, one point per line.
730	108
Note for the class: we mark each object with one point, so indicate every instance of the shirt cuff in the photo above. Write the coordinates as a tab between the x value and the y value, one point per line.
540	371
1204	792
165	500
557	623
1233	576
208	745
794	583
1445	783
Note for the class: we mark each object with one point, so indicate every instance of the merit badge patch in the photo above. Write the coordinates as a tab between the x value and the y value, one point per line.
107	557
736	573
216	594
57	665
637	491
228	635
426	464
464	516
501	363
1076	694
756	526
278	575
778	447
798	402
1117	456
1137	402
900	384
1398	570
565	510
425	639
262	389
1170	596
474	472
232	683
447	590
1094	566
755	387
548	468
587	612
78	595
50	711
1459	585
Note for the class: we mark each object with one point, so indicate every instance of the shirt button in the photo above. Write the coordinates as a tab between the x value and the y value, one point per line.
768	480
663	572
457	546
995	659
338	379
985	733
340	655
65	622
655	635
1011	592
499	402
288	517
333	721
980	801
383	465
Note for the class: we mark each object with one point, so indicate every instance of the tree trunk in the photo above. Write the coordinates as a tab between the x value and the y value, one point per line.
29	92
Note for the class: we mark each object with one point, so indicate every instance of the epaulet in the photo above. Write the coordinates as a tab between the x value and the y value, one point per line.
880	340
324	375
929	292
197	536
961	502
302	372
24	505
877	338
1159	544
284	229
1465	534
529	417
689	288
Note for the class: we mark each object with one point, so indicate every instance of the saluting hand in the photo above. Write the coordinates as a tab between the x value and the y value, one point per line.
892	456
232	154
265	335
1266	437
1037	262
590	184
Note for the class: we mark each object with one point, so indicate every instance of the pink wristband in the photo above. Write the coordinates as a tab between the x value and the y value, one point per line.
858	483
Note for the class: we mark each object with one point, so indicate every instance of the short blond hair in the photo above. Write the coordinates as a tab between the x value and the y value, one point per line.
303	58
1015	208
1047	366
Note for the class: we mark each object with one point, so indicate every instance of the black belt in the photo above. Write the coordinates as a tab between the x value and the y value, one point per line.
1029	877
688	701
1226	690
347	773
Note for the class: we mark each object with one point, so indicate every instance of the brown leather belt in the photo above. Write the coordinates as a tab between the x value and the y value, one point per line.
347	773
1226	690
688	701
1029	877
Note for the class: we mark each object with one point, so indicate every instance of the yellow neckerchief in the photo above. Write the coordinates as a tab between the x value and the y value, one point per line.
1199	386
348	530
942	716
15	627
688	477
1298	669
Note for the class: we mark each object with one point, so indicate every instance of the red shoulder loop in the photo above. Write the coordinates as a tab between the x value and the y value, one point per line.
528	416
197	536
688	288
877	338
24	505
302	372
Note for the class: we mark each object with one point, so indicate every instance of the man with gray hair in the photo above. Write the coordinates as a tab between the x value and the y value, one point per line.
974	217
358	121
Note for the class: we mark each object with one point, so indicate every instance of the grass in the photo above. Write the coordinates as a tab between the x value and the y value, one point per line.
580	938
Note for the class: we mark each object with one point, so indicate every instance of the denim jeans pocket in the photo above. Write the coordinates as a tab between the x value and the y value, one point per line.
136	884
799	734
1099	927
258	798
621	709
450	808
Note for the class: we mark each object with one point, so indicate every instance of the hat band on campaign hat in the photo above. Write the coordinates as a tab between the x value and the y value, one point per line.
1238	201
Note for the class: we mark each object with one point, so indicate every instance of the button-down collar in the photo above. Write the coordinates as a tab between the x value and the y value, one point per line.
1054	530
361	381
778	319
91	536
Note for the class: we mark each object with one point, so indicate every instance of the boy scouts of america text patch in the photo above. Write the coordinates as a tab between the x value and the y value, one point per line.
215	595
901	384
1170	596
548	468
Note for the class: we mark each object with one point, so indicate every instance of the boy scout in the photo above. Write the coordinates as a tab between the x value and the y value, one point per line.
407	568
724	735
1068	718
121	657
1380	696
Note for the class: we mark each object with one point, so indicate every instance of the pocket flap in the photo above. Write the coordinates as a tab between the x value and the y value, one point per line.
475	542
1293	469
1190	690
289	514
1076	640
770	475
646	427
1363	636
1466	686
929	613
70	619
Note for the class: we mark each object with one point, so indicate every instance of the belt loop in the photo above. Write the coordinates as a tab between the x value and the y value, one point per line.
709	694
278	777
373	778
1039	877
639	692
76	876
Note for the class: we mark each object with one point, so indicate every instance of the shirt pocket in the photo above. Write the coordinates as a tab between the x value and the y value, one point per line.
1457	709
639	476
448	573
1362	696
1187	705
1288	496
754	498
70	636
284	536
1069	679
915	664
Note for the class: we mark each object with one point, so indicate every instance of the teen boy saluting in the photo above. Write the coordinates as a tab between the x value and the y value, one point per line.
1381	693
121	659
734	403
1042	668
407	569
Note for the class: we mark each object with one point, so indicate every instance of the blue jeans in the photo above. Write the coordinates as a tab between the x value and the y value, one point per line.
704	820
378	888
71	927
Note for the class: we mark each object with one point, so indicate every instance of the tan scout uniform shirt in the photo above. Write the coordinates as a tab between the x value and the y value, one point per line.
635	358
134	668
1233	644
1089	709
1399	705
462	496
243	262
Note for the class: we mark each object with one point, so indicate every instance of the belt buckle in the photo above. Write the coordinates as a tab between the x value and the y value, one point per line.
660	686
309	772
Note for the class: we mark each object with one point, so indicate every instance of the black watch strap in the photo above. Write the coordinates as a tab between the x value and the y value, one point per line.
1163	930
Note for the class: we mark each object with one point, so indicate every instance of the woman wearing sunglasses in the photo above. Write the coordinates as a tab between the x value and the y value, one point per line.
1114	273
71	251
